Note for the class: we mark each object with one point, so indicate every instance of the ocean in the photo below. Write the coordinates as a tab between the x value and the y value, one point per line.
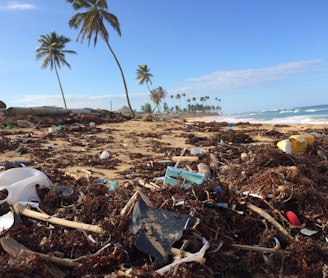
316	114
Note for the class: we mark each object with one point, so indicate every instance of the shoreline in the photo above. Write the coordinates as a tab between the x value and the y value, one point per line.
233	120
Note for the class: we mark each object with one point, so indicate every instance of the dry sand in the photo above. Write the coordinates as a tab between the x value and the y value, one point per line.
124	141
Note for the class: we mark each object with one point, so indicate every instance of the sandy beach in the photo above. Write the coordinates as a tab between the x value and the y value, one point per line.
248	160
123	140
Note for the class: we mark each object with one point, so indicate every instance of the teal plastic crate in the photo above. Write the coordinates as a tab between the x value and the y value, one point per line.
191	178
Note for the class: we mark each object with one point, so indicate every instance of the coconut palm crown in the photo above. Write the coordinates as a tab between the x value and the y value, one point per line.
144	75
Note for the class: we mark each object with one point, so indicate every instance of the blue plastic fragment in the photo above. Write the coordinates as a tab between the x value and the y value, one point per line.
218	189
190	178
21	163
112	185
222	204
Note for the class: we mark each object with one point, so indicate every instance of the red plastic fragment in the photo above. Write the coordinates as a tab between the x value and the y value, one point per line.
292	218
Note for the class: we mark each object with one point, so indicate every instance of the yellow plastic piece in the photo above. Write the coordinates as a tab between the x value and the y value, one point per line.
292	145
308	137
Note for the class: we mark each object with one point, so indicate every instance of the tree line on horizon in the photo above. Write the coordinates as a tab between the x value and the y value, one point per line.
158	96
95	12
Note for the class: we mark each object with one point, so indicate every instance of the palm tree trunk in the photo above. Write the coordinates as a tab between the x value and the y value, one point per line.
123	78
61	88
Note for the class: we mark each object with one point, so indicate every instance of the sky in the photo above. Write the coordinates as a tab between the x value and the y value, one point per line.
253	55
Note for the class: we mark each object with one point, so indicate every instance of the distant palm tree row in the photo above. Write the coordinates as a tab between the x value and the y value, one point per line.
92	17
158	95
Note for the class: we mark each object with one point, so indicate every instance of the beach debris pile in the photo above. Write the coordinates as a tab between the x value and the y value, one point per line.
225	206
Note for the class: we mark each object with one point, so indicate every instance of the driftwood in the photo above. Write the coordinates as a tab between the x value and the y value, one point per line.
15	249
261	249
269	218
184	158
20	209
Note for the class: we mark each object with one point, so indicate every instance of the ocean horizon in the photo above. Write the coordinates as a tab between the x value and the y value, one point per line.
315	114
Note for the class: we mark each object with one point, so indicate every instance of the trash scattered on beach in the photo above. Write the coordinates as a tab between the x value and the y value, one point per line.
104	155
296	143
157	230
18	185
240	208
187	178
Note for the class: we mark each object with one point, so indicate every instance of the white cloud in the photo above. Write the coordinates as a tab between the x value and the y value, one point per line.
236	79
17	6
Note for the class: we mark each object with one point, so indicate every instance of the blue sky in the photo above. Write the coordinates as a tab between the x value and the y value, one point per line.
252	54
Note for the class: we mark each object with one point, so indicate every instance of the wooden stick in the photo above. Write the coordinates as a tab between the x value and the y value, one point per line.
185	158
15	249
268	217
20	209
260	249
181	155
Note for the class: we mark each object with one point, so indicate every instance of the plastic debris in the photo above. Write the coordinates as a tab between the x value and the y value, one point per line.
64	190
307	137
190	178
112	185
6	221
191	258
19	183
41	134
157	230
308	232
16	163
292	218
295	143
197	150
218	189
104	155
7	218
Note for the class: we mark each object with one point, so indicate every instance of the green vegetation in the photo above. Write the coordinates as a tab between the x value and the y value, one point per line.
92	21
52	48
156	95
192	106
144	75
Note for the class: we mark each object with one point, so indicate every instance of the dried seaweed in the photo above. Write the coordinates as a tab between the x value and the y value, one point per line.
256	178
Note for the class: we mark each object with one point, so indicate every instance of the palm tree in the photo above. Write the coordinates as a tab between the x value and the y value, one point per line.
52	49
146	108
92	21
178	97
218	107
172	97
144	75
184	97
202	99
157	95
